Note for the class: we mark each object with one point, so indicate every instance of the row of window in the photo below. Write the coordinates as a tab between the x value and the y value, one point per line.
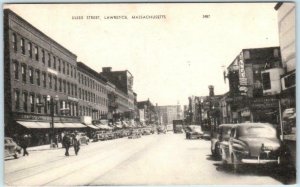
85	80
91	97
52	61
35	103
46	80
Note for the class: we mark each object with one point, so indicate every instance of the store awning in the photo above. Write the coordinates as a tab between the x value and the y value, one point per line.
92	126
46	125
105	127
34	125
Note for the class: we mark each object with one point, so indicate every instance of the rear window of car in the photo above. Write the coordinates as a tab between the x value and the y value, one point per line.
257	131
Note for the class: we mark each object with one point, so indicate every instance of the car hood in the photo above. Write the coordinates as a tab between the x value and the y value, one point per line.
255	144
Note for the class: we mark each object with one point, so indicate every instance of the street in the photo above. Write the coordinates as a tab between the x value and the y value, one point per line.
166	159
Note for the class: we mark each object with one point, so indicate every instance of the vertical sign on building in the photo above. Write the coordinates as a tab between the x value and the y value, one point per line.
242	75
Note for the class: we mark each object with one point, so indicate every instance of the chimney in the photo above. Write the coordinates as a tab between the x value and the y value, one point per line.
211	90
106	69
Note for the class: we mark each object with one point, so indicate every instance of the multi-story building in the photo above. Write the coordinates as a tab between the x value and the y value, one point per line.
169	113
92	93
246	92
123	81
36	70
147	112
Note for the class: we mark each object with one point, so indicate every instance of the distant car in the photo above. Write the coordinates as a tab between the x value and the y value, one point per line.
222	136
11	148
134	134
146	131
252	143
100	136
83	138
161	130
194	131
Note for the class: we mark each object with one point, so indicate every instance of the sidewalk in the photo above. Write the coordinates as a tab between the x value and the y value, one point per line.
43	147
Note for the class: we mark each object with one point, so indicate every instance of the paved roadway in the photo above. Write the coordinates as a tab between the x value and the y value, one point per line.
151	160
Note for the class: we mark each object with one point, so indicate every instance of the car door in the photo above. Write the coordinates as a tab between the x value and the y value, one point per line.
230	144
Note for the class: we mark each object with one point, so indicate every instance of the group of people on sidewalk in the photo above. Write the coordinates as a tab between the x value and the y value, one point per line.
71	139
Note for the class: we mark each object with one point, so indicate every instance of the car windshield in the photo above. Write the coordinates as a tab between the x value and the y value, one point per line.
258	132
226	132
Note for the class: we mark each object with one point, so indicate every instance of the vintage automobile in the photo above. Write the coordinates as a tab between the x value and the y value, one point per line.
11	148
194	131
161	129
101	135
110	135
146	131
83	138
252	143
135	133
222	136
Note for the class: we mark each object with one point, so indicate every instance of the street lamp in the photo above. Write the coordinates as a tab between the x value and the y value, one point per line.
52	101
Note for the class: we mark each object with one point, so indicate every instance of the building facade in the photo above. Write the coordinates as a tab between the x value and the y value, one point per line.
169	113
92	93
37	69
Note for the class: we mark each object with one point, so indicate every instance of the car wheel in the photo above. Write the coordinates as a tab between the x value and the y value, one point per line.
16	156
235	164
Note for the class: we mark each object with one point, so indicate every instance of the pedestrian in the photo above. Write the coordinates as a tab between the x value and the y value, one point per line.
56	140
24	143
66	143
76	142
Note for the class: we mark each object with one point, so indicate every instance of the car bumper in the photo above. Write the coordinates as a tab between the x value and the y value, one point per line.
261	161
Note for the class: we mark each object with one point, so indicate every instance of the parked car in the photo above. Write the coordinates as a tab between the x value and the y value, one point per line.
101	135
252	143
83	138
161	130
194	131
134	134
222	136
146	131
11	148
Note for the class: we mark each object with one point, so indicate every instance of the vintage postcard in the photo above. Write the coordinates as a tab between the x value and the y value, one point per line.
149	94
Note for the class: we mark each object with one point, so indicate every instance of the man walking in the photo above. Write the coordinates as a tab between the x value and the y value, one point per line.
76	142
24	143
66	143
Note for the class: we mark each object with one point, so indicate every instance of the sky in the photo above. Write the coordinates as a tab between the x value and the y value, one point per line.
171	58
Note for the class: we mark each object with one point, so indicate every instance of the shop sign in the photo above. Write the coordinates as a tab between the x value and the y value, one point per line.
245	113
24	116
264	103
242	73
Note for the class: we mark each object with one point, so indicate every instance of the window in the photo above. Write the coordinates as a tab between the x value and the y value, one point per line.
68	70
16	70
31	75
79	93
82	94
45	104
36	53
38	79
59	85
85	80
31	102
30	49
54	62
43	56
64	68
55	83
65	88
59	65
24	73
75	89
49	60
266	81
79	77
17	99
71	71
25	95
72	89
38	101
14	41
68	85
86	95
23	46
75	73
44	80
50	81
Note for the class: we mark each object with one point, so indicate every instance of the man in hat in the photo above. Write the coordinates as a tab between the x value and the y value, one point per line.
76	142
66	141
